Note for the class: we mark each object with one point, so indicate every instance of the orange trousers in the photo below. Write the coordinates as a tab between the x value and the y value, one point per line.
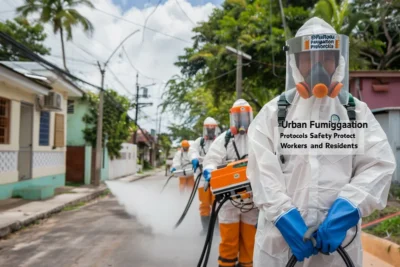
186	183
206	200
236	238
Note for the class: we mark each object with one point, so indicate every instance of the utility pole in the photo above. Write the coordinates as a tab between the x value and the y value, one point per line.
99	137
239	65
137	107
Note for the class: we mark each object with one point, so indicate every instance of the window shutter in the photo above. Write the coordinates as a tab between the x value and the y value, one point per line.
59	131
44	129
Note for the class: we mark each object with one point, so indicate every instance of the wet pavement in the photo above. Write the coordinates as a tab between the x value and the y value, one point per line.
131	230
104	234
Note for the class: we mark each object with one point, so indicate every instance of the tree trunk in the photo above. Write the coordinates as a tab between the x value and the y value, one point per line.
63	48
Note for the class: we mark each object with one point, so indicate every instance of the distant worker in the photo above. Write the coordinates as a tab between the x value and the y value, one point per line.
182	161
197	153
236	225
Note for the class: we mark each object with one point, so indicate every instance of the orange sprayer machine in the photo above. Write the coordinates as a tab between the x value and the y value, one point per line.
230	181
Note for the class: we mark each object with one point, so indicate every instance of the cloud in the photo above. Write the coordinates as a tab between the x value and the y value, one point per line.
154	57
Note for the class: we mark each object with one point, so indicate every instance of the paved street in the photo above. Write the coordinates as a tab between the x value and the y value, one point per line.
134	229
103	234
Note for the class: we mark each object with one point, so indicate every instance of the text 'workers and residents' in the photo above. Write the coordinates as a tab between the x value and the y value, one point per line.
334	126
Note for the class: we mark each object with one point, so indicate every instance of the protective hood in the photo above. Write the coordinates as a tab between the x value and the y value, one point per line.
317	62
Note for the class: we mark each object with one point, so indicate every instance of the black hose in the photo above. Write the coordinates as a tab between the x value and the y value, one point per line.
169	178
189	203
341	250
205	254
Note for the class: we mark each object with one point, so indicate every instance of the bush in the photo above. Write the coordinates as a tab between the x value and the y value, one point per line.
147	165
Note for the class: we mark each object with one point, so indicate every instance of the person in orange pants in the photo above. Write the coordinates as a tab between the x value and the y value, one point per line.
236	225
198	150
181	161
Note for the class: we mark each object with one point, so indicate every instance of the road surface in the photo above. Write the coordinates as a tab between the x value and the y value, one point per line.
132	229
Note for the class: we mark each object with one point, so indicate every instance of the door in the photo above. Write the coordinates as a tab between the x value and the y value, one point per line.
25	142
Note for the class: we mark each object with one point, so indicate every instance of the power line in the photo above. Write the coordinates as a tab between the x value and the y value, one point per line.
183	11
137	24
118	81
75	60
133	66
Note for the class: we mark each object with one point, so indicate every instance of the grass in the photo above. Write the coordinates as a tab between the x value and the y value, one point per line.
74	206
381	213
106	192
389	227
75	184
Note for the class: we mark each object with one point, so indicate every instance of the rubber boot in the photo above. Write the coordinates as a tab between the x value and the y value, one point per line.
205	221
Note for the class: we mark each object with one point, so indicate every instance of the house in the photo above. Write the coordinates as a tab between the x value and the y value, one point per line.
381	91
80	154
145	147
33	109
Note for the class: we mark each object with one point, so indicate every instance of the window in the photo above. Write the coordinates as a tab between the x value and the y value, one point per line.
71	106
4	121
44	129
59	133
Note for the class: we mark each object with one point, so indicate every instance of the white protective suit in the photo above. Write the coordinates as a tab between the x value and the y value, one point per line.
311	183
219	155
181	160
198	152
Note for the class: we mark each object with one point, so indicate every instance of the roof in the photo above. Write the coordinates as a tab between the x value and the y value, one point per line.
374	74
55	80
141	137
30	83
381	110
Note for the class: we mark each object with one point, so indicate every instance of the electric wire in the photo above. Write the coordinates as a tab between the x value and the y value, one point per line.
138	24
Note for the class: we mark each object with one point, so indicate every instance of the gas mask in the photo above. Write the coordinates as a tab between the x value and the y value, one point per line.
318	83
185	149
210	133
317	65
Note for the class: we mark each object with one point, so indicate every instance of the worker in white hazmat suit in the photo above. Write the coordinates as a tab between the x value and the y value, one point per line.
236	226
182	161
331	191
197	151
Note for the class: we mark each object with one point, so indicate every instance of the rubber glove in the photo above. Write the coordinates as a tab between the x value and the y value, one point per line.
342	216
207	174
195	164
172	170
292	227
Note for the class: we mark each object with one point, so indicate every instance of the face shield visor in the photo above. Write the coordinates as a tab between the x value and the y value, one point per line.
317	66
240	119
210	131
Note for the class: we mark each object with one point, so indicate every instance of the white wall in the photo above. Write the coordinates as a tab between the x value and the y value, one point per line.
46	160
126	165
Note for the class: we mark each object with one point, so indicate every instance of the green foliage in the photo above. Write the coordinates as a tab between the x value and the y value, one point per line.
117	126
206	86
32	36
379	32
61	14
147	166
165	142
380	213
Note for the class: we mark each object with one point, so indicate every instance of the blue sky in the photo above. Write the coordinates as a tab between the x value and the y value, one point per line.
127	4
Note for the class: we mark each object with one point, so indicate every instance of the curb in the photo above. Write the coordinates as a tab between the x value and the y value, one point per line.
381	248
17	225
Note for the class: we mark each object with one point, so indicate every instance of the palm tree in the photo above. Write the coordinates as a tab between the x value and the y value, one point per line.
61	14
